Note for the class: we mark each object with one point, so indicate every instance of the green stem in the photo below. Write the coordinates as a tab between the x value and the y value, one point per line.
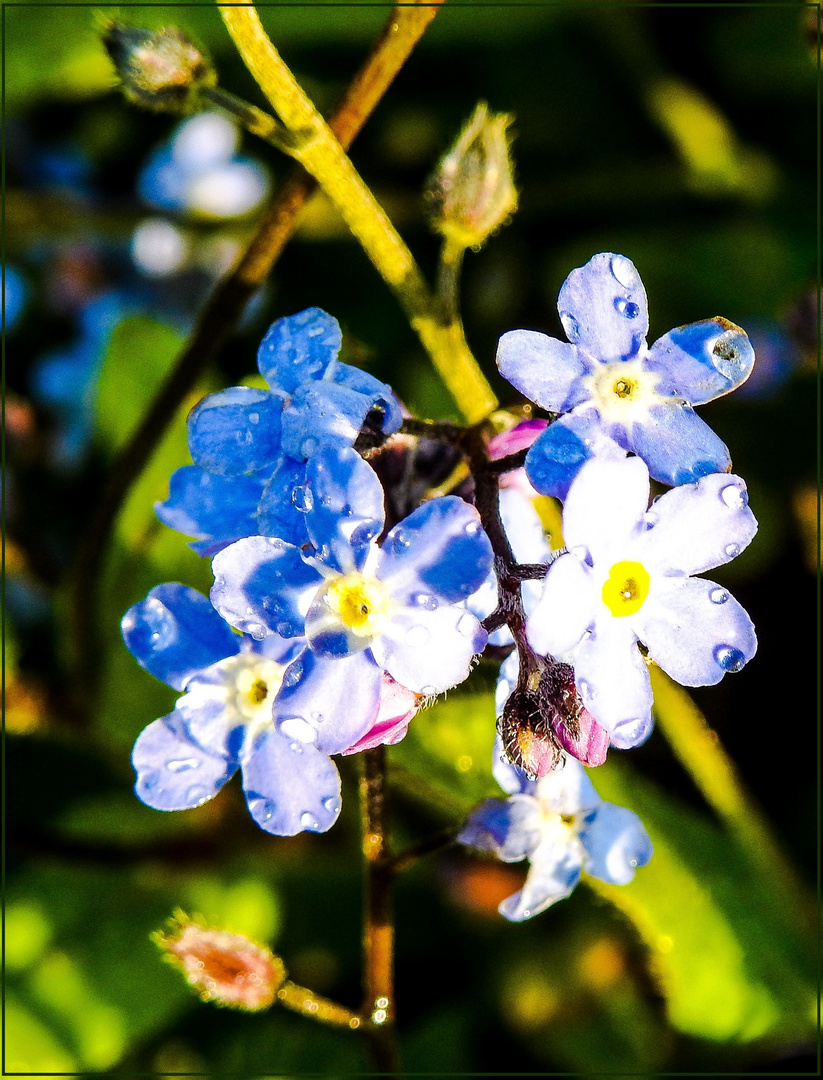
322	155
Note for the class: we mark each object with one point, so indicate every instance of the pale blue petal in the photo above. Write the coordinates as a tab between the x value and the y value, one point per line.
216	509
430	651
697	526
677	445
603	308
298	348
329	703
282	508
173	772
555	870
438	553
696	631
291	787
513	779
567	790
322	414
262	585
344	507
704	360
510	828
379	394
616	844
546	371
605	509
566	609
175	632
236	431
613	682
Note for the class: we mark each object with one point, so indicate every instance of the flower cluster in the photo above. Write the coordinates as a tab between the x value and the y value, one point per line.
328	626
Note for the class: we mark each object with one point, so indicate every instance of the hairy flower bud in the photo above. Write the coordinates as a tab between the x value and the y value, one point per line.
159	69
227	968
540	722
472	192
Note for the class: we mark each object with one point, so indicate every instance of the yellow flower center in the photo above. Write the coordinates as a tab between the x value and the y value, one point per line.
626	588
358	602
619	390
258	692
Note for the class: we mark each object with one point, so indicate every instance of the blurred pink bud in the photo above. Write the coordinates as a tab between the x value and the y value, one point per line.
397	706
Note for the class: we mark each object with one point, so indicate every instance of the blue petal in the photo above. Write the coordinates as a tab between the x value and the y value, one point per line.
282	508
555	870
175	632
379	394
508	827
557	455
173	772
704	360
298	348
545	370
329	703
344	501
678	446
429	651
291	787
262	586
322	414
616	843
235	431
603	308
216	509
439	549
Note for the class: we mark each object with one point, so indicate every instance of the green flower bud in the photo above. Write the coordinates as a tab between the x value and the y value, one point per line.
159	69
472	192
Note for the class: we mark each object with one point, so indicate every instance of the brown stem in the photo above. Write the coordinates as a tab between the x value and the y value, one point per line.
378	927
217	322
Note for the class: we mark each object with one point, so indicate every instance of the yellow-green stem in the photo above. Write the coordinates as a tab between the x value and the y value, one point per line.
319	152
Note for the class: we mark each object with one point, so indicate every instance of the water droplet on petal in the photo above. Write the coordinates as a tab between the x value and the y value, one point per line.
731	550
571	326
624	271
283	629
467	624
308	447
417	636
401	538
296	747
425	600
632	862
734	497
627	308
330	804
718	596
308	821
526	913
182	764
473	528
254	418
427	690
581	552
303	499
651	519
296	727
196	795
586	690
729	658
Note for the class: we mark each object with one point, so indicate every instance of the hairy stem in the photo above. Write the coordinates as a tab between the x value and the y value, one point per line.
307	1003
321	154
217	322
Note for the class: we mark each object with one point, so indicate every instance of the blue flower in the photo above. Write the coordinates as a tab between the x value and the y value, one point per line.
627	577
616	394
250	446
360	610
562	826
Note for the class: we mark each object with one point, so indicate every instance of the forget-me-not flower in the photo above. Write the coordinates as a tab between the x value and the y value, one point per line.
614	393
562	826
627	577
225	719
250	446
360	610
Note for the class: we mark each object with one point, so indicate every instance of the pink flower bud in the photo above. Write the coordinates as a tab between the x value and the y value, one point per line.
397	706
159	69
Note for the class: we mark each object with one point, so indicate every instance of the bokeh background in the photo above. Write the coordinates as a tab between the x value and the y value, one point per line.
683	137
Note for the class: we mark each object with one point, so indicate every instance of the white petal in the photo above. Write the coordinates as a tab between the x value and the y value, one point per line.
566	608
605	507
614	683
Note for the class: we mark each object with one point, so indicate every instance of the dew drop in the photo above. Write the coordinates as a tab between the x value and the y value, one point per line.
303	499
734	497
296	727
296	748
425	600
196	795
624	271
651	519
718	596
308	821
581	552
182	764
526	913
627	308
632	862
473	528
283	629
400	538
254	418
586	690
417	636
570	325
729	658
308	447
330	804
467	624
731	550
427	690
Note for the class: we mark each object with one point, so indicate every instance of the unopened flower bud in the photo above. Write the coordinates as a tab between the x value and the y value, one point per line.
159	69
527	735
573	725
472	192
223	967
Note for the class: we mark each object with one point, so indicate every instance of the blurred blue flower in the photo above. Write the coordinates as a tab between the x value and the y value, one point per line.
199	172
562	826
627	577
360	610
15	293
615	394
250	446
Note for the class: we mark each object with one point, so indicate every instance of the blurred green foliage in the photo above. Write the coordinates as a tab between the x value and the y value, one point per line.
684	137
